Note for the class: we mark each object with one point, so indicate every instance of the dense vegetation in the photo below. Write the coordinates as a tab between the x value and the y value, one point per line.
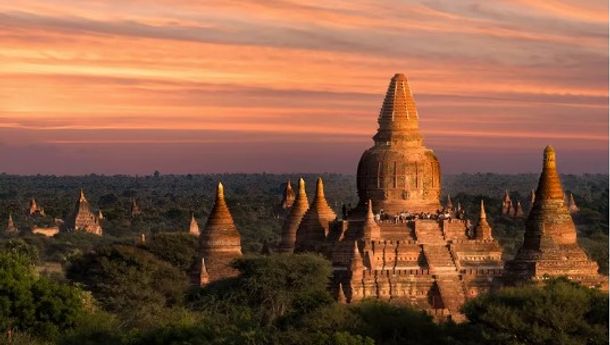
124	294
167	202
77	288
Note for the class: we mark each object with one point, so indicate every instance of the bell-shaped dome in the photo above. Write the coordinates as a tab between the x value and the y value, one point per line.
399	173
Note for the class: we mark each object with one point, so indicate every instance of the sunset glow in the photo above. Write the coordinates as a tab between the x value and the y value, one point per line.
215	86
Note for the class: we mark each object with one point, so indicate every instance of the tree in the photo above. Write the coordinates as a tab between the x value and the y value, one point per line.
391	324
560	312
35	305
270	287
179	249
131	282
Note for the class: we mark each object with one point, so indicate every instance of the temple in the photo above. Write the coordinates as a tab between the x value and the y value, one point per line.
316	223
194	226
292	221
399	244
550	247
288	197
10	225
518	211
572	204
83	218
220	243
399	173
35	209
134	210
507	205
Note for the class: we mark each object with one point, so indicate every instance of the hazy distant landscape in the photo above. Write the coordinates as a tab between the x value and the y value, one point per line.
168	200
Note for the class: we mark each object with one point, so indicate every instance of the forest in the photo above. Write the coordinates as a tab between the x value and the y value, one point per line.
78	288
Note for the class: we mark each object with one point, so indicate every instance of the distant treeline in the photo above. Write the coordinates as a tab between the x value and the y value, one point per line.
168	200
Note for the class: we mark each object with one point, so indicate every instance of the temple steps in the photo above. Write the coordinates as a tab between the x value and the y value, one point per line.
439	258
452	293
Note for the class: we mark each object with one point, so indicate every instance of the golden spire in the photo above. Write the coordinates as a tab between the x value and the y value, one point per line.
483	214
549	185
315	224
194	226
398	118
220	191
220	230
319	189
292	222
82	196
220	241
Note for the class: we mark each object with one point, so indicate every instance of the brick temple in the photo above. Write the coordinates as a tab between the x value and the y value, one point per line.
399	243
220	243
82	217
550	246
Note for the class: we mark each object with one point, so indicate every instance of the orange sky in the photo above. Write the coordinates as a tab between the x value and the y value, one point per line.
216	86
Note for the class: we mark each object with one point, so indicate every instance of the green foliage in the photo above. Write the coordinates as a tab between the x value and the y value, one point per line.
20	248
273	286
179	249
35	305
561	312
391	324
130	281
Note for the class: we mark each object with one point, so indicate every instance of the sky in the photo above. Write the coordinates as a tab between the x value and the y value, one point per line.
129	87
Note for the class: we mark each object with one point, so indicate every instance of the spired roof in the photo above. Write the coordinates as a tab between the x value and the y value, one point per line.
83	217
506	198
549	185
399	173
292	222
10	225
194	226
341	295
518	210
220	233
398	118
371	230
549	221
550	246
356	264
288	196
315	224
220	242
483	230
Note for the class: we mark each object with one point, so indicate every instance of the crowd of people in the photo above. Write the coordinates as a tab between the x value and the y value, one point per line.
404	216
